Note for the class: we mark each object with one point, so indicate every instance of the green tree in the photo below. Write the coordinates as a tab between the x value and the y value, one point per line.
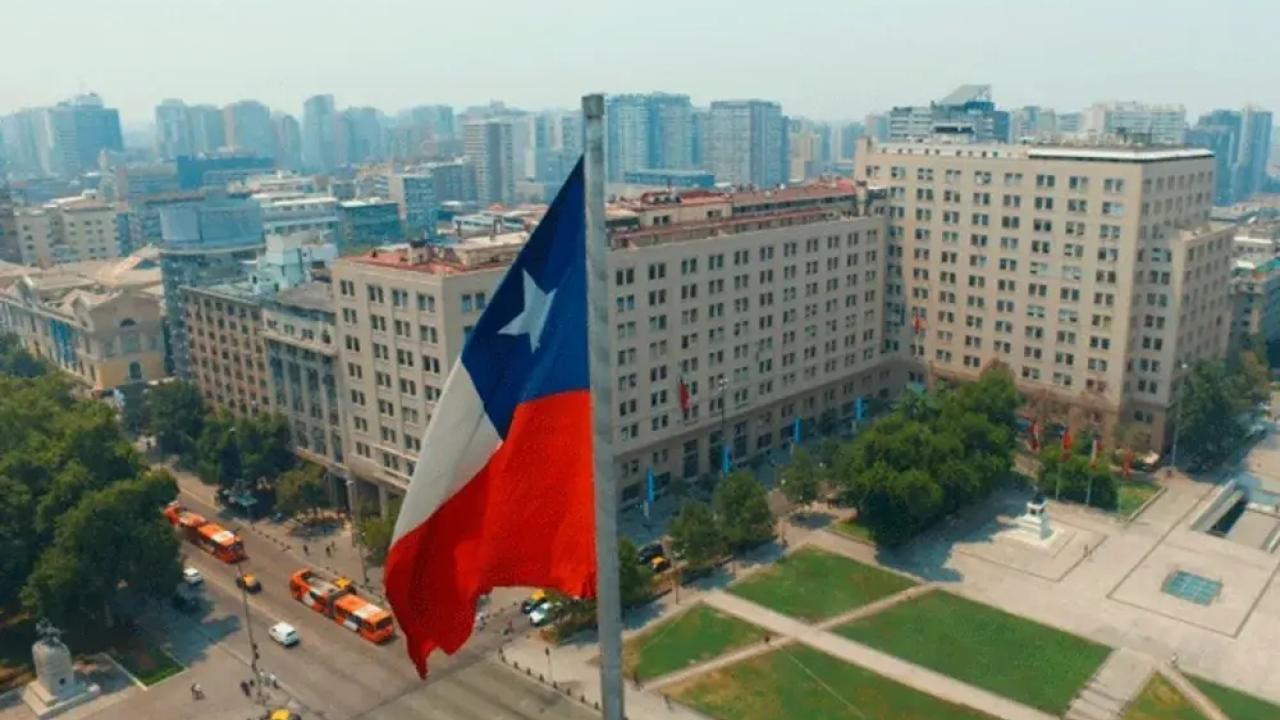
742	510
218	452
801	478
175	415
376	531
113	536
1209	414
635	580
301	490
264	443
697	537
16	361
17	537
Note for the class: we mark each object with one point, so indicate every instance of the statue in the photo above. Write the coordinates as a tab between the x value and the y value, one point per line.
56	687
1034	523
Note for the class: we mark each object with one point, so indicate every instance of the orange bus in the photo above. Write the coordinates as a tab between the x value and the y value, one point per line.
208	536
336	598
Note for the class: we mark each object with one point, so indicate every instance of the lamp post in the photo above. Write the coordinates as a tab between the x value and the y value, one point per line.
1177	423
248	626
721	385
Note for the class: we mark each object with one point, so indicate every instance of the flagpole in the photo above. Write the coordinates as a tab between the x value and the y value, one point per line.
608	593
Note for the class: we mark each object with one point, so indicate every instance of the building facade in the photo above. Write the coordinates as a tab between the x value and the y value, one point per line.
1139	122
67	230
415	195
249	129
1093	273
205	242
372	221
303	373
1255	301
746	143
223	329
489	147
10	246
99	322
766	307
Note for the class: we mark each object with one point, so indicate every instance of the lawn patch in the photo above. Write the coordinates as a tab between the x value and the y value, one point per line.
980	645
1237	705
693	636
147	662
852	530
1160	700
1133	495
797	681
813	585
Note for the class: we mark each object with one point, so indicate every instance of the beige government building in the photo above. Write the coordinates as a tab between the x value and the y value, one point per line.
766	305
1094	273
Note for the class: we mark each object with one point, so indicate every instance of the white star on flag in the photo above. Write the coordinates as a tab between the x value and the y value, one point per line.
531	320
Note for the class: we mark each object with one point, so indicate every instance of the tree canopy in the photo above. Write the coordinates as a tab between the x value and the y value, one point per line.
931	455
301	490
742	511
696	536
802	478
1213	406
79	513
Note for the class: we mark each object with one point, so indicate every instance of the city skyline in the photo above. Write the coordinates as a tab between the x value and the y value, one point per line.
534	63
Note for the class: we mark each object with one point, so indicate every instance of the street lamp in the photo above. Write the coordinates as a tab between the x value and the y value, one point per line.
721	385
248	624
1177	424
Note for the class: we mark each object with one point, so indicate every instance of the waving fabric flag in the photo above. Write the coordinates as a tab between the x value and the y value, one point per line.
502	493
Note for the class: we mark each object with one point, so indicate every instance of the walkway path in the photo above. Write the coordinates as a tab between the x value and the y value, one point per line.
1112	687
909	674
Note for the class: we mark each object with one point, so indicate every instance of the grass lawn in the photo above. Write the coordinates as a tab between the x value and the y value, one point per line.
978	644
797	681
851	529
1161	701
1237	705
17	633
693	636
814	585
147	662
1133	495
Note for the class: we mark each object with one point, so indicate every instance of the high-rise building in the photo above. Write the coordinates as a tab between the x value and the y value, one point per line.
713	306
454	181
1255	149
208	129
359	136
1093	273
415	195
642	132
249	128
699	120
877	126
489	147
174	134
318	118
368	222
1255	301
288	142
63	140
968	112
10	248
1137	122
205	242
67	230
746	143
1219	132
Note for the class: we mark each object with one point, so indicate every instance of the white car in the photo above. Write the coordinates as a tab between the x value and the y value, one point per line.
544	613
283	633
192	576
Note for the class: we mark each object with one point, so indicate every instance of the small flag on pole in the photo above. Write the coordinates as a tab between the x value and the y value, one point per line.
1095	452
1033	436
1067	442
917	323
683	392
1127	469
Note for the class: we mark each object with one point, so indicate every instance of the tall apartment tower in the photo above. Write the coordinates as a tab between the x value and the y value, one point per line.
1155	124
746	143
174	136
317	133
208	129
627	135
1255	149
249	128
488	144
1094	274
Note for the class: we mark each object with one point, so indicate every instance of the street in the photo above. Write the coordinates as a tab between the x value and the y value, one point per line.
332	673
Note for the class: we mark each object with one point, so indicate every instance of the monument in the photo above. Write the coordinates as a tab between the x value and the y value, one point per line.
56	688
1035	521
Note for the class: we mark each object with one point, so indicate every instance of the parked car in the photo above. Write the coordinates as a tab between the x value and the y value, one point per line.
249	582
647	553
545	613
192	576
535	599
660	564
284	633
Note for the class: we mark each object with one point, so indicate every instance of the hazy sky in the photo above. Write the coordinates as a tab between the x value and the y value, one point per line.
822	58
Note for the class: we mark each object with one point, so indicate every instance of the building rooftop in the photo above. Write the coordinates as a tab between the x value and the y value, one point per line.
1093	151
309	296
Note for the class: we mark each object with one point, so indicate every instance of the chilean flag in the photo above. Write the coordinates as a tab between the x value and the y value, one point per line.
502	494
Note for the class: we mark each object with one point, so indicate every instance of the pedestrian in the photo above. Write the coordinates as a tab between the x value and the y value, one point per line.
244	688
328	552
305	550
1173	660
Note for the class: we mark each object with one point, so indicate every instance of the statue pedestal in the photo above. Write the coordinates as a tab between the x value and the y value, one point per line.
1033	525
56	688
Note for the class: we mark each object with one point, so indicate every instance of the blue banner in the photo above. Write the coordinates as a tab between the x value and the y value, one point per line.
795	431
724	459
859	410
648	487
